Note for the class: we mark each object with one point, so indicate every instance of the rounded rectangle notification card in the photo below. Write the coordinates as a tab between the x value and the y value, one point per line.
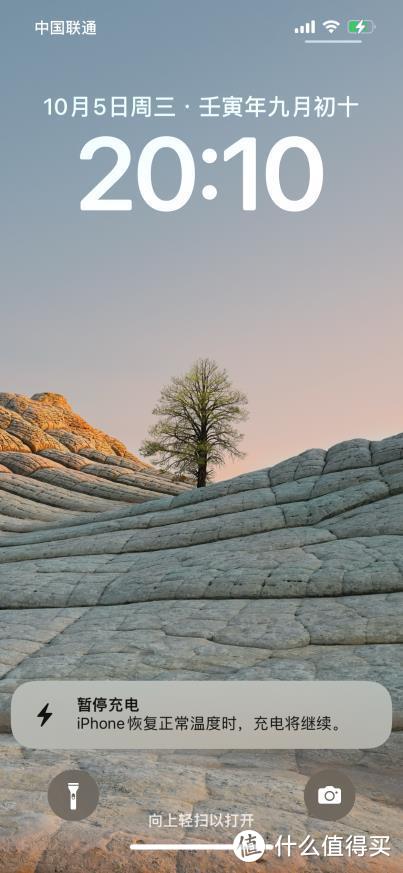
201	715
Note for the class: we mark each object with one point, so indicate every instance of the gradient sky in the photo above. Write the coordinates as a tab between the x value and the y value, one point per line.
304	310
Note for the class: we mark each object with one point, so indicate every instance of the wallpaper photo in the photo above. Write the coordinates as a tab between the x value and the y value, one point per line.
201	434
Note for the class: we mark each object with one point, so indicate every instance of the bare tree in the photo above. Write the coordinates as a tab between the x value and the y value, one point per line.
197	414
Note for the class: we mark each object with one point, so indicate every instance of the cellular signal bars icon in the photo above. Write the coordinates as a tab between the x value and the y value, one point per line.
309	27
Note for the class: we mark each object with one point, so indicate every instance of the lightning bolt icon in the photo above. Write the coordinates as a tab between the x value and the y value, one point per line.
44	714
360	26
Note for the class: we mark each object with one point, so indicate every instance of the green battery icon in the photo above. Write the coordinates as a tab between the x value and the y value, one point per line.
360	25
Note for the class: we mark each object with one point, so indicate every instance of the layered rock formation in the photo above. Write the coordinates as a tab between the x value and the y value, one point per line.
56	467
291	572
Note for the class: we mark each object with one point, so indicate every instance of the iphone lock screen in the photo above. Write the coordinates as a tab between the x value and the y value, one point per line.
201	437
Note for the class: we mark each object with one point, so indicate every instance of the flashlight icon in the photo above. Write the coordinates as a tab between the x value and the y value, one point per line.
360	25
73	788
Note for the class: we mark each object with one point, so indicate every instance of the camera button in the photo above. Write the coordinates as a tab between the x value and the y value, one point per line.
329	794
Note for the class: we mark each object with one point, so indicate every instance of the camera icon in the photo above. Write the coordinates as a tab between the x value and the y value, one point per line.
329	795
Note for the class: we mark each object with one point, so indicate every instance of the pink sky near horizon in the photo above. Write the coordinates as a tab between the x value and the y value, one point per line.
304	310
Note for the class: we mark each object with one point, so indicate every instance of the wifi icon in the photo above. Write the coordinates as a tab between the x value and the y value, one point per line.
331	25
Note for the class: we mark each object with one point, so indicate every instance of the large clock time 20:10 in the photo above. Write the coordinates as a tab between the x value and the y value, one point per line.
95	201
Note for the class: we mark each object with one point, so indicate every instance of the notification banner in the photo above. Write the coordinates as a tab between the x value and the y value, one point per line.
201	715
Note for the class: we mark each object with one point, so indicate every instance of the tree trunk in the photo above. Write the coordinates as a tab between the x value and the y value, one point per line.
202	454
201	475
